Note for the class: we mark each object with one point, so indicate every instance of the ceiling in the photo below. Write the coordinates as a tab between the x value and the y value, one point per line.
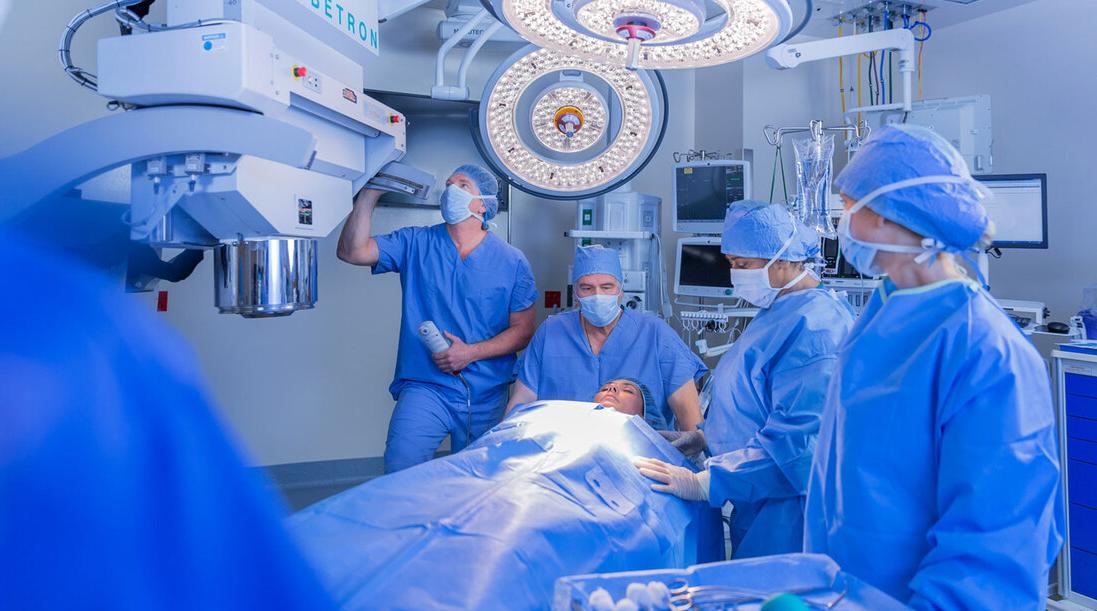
942	13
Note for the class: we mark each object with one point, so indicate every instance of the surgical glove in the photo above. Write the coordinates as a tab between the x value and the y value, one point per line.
690	443
679	481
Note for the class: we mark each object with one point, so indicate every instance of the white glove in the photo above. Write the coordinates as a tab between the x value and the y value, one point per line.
679	481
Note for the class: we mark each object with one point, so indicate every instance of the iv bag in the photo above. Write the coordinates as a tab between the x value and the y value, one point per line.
814	162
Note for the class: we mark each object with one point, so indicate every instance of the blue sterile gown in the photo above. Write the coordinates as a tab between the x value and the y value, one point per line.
559	363
118	487
936	478
768	393
471	298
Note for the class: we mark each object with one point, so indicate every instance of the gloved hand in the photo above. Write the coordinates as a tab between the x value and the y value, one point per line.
689	443
679	481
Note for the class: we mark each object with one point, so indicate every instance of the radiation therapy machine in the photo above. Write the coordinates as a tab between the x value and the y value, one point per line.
237	126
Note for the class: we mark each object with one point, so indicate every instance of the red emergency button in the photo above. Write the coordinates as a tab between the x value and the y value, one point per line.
300	72
394	118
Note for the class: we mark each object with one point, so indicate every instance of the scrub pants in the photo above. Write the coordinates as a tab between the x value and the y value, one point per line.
426	413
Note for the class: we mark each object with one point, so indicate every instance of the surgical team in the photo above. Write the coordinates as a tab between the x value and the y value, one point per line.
914	444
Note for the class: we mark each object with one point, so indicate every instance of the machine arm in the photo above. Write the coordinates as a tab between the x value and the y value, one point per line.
791	55
59	163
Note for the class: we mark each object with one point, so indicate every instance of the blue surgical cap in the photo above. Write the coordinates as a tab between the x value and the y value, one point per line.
951	213
596	259
486	183
758	229
645	392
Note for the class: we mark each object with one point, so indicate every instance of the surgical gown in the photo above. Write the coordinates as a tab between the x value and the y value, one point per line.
118	487
471	298
768	393
559	363
936	478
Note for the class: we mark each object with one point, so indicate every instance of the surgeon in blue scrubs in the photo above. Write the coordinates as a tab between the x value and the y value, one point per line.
768	391
937	474
575	350
119	488
479	292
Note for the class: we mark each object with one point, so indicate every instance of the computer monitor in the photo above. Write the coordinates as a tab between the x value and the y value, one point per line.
701	269
1018	209
704	189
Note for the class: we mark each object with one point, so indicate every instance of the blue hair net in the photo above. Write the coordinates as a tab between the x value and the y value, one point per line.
486	183
596	259
758	229
951	213
645	393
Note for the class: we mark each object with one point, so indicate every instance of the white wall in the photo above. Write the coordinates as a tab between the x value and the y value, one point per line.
1035	61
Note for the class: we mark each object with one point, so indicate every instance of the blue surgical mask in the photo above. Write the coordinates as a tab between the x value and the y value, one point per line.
600	310
455	202
859	254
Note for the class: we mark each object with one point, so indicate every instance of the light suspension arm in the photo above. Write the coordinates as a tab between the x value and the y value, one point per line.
785	56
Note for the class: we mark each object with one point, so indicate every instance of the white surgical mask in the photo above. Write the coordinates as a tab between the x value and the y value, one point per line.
753	285
600	310
454	204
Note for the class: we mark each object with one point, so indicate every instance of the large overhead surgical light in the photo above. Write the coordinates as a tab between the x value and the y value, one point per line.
561	127
653	34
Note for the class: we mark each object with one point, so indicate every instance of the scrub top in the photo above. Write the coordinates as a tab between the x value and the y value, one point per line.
936	477
119	487
559	363
471	298
768	393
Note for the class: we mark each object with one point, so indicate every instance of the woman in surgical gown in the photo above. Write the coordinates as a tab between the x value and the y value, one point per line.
768	391
937	477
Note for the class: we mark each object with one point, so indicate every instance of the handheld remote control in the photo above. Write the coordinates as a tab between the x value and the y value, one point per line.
432	338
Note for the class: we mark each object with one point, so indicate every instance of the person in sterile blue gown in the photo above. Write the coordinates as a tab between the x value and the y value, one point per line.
572	353
769	389
118	487
479	292
936	478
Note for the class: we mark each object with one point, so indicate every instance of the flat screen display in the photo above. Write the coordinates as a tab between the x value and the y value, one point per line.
704	192
1018	209
704	265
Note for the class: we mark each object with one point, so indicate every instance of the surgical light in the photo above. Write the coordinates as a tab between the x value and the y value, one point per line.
562	127
652	34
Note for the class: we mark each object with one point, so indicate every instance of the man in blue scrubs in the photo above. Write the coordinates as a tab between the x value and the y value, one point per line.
477	289
572	351
769	390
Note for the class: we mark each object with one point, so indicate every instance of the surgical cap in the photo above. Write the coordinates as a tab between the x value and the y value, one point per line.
596	259
951	213
645	393
758	229
486	183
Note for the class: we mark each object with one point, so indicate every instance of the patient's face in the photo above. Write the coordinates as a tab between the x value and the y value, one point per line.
623	396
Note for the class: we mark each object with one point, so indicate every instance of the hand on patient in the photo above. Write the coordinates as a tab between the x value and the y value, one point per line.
690	443
458	356
679	481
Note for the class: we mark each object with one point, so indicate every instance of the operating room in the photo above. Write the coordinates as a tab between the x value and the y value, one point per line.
295	470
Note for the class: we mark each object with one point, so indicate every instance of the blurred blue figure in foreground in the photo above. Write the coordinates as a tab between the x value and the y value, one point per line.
118	487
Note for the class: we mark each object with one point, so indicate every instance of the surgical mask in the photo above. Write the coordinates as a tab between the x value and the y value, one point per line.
862	255
600	310
454	204
753	285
